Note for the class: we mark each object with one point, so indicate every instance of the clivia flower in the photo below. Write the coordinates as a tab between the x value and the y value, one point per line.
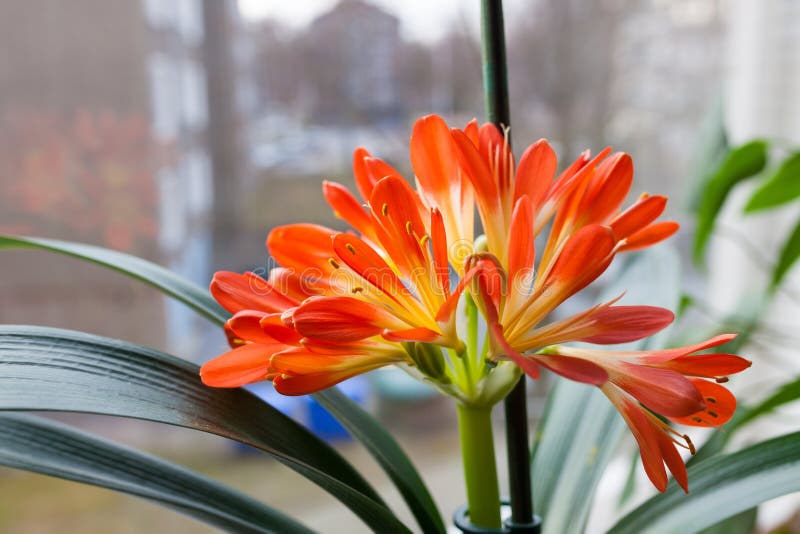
346	303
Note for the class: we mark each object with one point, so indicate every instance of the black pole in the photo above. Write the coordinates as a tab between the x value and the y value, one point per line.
495	84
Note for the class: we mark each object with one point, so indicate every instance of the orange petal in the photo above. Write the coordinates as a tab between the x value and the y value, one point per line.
248	291
535	172
345	206
304	248
342	319
719	405
396	207
246	325
656	357
673	460
494	148
425	335
646	210
273	326
584	257
249	363
665	392
708	365
363	259
439	247
521	247
433	156
621	324
526	363
478	172
646	435
650	235
576	369
607	189
368	171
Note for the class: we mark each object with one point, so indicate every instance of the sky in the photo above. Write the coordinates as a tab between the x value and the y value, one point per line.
421	20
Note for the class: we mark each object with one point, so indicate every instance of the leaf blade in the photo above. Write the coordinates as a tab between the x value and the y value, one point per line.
721	487
148	272
61	370
740	164
781	188
34	444
388	454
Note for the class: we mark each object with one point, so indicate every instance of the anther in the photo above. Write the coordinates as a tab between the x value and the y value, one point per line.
409	228
721	379
692	450
385	209
350	248
357	289
712	400
697	419
424	240
712	414
333	263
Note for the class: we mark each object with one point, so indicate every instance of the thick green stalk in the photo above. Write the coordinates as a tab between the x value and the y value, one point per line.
480	469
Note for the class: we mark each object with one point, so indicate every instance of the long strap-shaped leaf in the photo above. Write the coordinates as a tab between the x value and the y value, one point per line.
34	444
51	369
721	487
363	426
388	454
170	283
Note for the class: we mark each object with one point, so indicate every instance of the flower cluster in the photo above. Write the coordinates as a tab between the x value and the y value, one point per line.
410	283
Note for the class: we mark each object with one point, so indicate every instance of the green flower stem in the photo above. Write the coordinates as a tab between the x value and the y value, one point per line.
480	469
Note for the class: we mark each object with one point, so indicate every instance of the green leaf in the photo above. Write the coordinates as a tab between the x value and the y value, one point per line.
785	394
61	370
34	444
360	424
782	187
741	163
721	487
575	440
789	254
388	454
742	523
170	283
580	428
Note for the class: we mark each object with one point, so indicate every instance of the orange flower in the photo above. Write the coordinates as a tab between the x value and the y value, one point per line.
346	303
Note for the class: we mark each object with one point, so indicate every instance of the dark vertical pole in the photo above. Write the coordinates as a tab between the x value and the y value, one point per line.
495	83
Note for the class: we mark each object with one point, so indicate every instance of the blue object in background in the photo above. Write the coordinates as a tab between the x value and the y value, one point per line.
308	412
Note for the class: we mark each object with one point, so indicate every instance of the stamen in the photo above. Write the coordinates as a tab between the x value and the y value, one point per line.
712	414
409	228
350	248
357	289
712	400
385	209
690	444
721	379
424	240
333	263
697	419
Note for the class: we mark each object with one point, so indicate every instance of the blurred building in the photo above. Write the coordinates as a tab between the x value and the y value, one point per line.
353	49
144	60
